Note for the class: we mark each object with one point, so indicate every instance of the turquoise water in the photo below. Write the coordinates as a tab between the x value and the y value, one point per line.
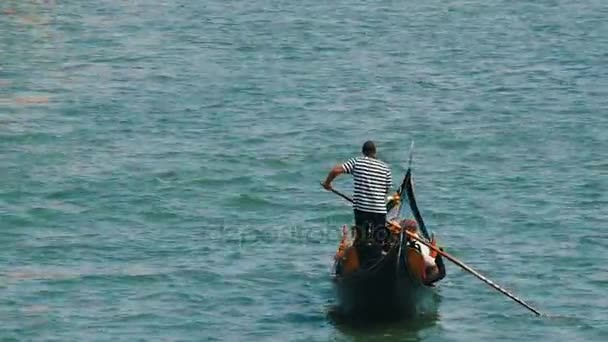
160	163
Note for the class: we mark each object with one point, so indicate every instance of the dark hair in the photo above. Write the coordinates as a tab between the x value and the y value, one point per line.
369	148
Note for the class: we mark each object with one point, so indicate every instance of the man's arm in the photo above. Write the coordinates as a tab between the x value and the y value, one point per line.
389	182
338	170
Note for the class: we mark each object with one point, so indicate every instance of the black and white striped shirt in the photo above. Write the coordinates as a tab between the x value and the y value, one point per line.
373	181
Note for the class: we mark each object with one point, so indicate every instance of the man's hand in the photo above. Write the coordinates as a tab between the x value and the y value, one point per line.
337	170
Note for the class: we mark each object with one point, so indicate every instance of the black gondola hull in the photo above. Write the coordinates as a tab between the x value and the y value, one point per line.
386	289
389	286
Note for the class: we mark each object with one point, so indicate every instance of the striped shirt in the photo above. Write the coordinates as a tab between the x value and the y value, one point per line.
373	182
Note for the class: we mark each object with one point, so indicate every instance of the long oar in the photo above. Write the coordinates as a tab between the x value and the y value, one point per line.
456	261
472	271
340	194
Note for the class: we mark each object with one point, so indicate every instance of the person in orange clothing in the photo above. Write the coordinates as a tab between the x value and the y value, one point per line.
433	264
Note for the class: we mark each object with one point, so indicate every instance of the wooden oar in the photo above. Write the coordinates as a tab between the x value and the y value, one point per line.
339	194
454	260
470	270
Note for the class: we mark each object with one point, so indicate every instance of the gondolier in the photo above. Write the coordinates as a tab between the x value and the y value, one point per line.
372	183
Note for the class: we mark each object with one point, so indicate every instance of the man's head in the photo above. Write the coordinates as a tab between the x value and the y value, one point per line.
369	149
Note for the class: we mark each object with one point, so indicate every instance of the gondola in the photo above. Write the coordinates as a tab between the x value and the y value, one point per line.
380	272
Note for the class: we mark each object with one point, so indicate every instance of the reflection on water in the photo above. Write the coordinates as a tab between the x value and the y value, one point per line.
386	328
